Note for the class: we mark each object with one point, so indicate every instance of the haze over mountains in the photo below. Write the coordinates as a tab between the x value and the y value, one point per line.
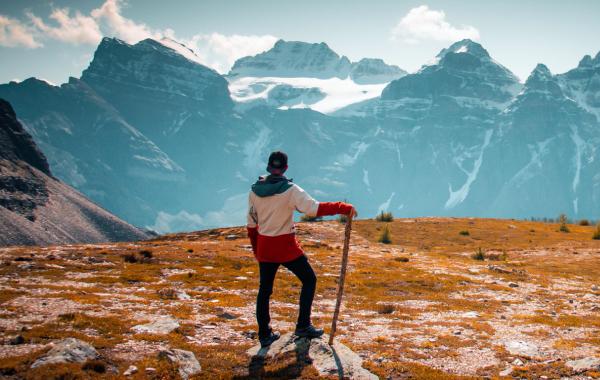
36	208
165	142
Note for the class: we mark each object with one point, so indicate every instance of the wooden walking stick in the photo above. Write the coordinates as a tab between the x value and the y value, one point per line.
340	289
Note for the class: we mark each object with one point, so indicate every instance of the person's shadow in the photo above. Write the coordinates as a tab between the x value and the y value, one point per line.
256	368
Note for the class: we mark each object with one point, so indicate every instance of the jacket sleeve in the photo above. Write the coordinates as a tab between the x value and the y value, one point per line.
252	224
334	208
301	201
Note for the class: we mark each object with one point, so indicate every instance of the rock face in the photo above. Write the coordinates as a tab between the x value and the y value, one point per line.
185	361
68	350
338	360
35	208
374	70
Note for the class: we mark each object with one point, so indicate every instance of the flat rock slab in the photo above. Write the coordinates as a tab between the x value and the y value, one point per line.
185	361
338	360
585	364
161	325
522	348
69	350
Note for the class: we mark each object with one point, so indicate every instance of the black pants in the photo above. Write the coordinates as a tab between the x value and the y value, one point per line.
302	269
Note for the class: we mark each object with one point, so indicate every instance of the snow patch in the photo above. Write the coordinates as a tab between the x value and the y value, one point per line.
338	92
457	197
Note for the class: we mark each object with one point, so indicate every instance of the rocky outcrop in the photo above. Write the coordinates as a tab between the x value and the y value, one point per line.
337	360
69	350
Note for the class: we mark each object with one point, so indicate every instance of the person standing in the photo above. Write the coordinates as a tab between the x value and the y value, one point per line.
271	204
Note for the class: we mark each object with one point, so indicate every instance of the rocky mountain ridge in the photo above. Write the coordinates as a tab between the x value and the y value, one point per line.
36	208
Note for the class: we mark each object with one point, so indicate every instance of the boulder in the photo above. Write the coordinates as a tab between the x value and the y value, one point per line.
69	350
161	325
185	361
338	360
585	364
521	348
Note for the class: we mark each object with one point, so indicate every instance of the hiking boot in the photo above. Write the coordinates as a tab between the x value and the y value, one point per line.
308	332
269	339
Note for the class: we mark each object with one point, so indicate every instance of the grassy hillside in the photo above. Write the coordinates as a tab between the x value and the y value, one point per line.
448	298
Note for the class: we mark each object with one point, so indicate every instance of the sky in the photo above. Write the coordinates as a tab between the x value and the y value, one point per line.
53	40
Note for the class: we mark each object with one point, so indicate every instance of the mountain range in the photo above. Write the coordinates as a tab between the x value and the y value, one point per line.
167	143
38	209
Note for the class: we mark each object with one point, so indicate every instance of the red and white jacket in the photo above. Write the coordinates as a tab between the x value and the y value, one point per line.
271	205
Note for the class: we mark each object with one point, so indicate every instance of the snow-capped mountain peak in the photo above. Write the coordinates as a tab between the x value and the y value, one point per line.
289	59
465	46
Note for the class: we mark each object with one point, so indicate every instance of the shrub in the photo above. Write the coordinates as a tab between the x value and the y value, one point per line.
478	255
94	365
584	222
464	233
562	219
401	259
130	258
386	308
146	254
597	233
385	217
385	236
307	218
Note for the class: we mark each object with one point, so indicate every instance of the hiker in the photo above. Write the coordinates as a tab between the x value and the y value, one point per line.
271	205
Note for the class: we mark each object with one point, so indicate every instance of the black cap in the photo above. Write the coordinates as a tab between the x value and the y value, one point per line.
277	162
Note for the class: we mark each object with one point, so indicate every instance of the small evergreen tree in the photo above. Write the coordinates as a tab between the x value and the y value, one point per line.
562	219
385	217
386	236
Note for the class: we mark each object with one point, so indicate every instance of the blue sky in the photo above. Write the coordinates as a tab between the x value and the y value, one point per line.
55	40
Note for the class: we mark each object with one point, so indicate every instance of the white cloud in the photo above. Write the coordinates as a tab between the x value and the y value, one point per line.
215	50
78	29
422	23
220	51
109	16
14	33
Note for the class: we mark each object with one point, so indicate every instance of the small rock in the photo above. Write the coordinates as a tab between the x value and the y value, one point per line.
185	360
231	237
250	334
517	362
595	288
150	370
585	364
161	325
130	371
513	285
457	332
227	316
471	314
69	350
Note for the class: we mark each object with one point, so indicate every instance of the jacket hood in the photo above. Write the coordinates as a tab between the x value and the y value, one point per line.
271	185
